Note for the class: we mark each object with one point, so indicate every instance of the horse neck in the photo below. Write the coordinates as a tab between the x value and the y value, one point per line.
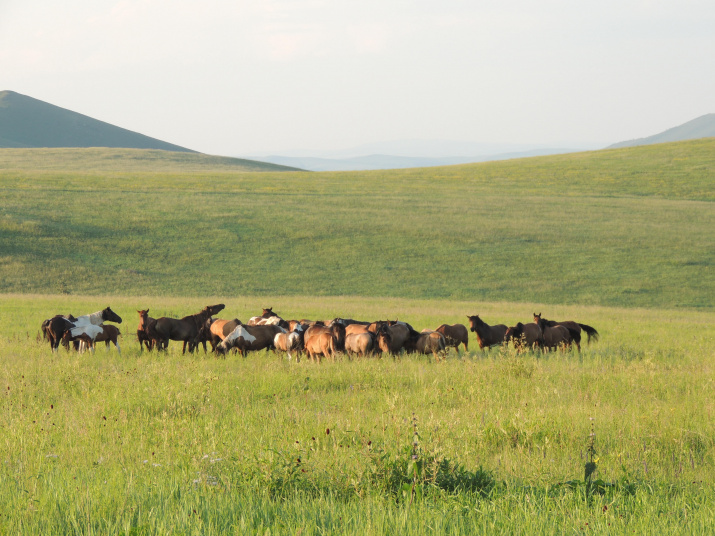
94	318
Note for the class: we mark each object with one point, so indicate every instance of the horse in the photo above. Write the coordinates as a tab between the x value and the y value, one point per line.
574	328
291	341
553	336
320	344
110	333
336	330
249	338
487	336
428	341
524	335
184	329
54	329
360	344
86	334
143	330
455	335
105	315
219	329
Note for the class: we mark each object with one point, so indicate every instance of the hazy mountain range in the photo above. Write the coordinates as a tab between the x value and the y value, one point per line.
29	122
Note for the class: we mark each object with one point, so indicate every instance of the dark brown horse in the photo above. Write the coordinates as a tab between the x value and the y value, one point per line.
487	336
455	335
524	336
553	336
574	328
184	329
53	329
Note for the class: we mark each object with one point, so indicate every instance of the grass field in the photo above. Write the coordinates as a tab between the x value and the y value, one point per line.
626	228
171	444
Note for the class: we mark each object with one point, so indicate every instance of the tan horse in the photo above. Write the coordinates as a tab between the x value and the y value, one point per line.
487	336
320	344
455	335
361	344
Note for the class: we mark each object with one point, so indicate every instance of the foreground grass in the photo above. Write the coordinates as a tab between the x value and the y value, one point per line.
147	443
626	228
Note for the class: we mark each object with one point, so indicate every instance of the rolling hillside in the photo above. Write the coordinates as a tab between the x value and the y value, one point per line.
29	122
702	127
625	227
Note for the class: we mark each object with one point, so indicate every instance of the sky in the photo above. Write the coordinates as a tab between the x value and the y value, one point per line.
269	76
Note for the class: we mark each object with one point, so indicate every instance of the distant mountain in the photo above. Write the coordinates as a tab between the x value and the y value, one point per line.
702	127
26	122
383	161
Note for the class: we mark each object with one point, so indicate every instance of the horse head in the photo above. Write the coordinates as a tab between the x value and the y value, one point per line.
267	313
111	316
474	322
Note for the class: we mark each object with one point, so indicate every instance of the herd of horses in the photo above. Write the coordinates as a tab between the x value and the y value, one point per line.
314	338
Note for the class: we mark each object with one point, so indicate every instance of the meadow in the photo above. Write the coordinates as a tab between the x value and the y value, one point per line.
624	228
146	443
616	439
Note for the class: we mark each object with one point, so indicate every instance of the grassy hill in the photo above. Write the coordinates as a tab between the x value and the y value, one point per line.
29	122
627	227
701	127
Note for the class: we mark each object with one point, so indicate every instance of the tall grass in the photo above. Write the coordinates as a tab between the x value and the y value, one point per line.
163	443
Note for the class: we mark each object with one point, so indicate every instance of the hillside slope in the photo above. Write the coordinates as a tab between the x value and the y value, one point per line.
29	122
624	227
702	127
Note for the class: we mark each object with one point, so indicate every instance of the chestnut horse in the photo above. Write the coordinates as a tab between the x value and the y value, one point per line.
184	329
487	336
143	330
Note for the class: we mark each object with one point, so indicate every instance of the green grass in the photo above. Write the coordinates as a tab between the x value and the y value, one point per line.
165	444
629	227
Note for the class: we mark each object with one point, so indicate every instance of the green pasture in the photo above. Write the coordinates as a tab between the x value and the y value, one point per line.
624	228
141	443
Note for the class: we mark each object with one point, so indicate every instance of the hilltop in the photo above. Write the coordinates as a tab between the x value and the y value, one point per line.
702	127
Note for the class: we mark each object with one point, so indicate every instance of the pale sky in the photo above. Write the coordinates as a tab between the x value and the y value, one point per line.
247	77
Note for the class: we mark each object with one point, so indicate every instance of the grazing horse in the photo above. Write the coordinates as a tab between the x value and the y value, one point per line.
249	338
487	336
428	341
524	336
184	329
574	328
553	337
455	335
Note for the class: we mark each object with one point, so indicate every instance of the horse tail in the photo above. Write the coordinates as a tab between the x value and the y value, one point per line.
591	332
575	335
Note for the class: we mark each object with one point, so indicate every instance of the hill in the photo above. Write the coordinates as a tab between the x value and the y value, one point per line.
624	227
702	127
29	122
104	160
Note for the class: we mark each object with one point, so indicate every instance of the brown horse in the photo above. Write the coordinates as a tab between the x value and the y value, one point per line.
336	330
143	330
455	335
184	329
574	328
401	334
524	336
553	336
109	334
487	336
361	344
428	341
320	344
54	329
249	339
